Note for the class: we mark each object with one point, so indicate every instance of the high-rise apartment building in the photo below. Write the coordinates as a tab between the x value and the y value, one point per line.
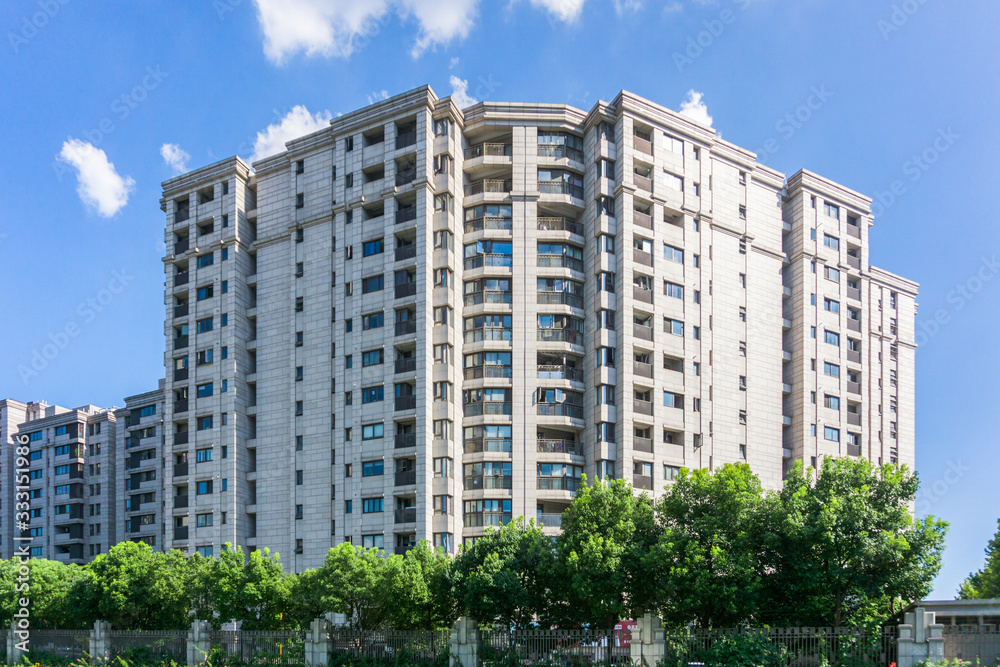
422	321
140	461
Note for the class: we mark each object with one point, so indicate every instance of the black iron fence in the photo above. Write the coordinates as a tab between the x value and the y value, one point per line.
258	647
502	648
969	642
69	644
389	647
144	645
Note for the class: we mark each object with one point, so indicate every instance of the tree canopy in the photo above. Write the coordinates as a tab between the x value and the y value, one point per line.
985	584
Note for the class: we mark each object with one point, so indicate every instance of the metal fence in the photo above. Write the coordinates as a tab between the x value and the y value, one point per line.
62	643
499	647
969	642
139	645
783	647
259	647
388	647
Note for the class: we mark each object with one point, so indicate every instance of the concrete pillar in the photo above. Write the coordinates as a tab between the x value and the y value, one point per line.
920	638
464	643
100	641
199	642
648	643
317	642
17	643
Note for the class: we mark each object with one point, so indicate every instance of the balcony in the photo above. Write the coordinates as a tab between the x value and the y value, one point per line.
488	259
642	294
854	325
488	149
571	484
642	332
181	406
488	482
642	219
549	520
554	224
490	222
406	214
854	231
405	403
642	482
641	144
406	139
479	519
180	342
405	177
641	407
406	515
405	289
180	374
487	408
854	262
549	446
854	356
642	182
181	278
180	532
563	298
560	410
552	372
407	365
488	333
181	246
853	450
642	369
643	444
854	293
491	371
406	327
406	252
480	445
406	477
181	438
560	188
642	257
182	214
488	185
853	387
854	418
180	469
181	310
404	440
180	502
492	296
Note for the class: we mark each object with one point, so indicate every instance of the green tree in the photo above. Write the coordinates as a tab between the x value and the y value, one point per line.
307	597
50	587
986	582
353	583
419	585
252	590
707	558
136	588
503	577
845	549
607	532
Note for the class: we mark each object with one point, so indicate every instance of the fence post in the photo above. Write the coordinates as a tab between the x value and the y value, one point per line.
199	642
317	642
100	641
920	638
14	653
464	643
647	645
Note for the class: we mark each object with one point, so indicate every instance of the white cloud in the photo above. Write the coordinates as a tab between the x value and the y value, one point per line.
564	10
441	21
317	27
459	92
175	157
98	184
623	6
695	109
297	123
453	63
378	96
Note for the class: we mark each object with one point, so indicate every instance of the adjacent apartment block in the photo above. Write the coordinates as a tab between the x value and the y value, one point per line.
139	465
423	321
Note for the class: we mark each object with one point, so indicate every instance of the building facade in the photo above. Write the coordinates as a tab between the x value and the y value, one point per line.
139	464
423	321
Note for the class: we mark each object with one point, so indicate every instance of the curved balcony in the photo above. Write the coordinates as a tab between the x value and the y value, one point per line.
560	373
560	188
560	336
489	372
479	519
560	410
489	223
480	445
487	408
488	149
560	298
571	484
559	152
559	224
489	260
492	334
479	482
550	446
560	261
488	297
501	186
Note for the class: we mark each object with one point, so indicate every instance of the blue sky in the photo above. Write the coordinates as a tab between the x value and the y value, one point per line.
903	95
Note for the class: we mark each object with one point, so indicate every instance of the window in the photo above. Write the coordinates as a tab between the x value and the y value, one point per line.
348	506
372	394
375	247
225	286
443	277
349	325
812	332
206	260
204	488
372	431
673	181
831	241
205	390
831	210
673	290
606	206
743	212
606	432
671	326
831	338
831	273
831	434
205	292
373	541
372	284
205	325
743	417
833	370
298	408
672	400
831	402
441	127
349	361
673	144
372	321
204	423
371	505
372	468
831	305
673	254
372	357
444	467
